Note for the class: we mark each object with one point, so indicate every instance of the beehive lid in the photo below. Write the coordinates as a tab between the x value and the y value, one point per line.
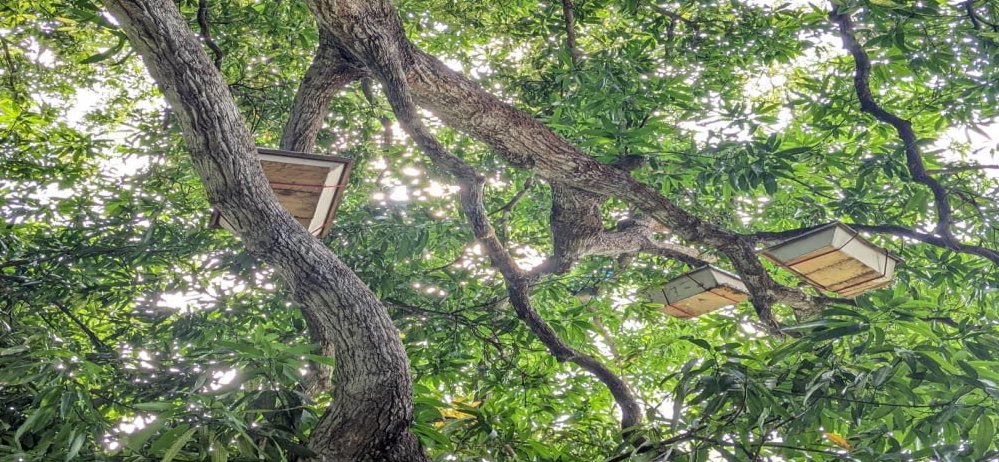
700	291
835	258
310	186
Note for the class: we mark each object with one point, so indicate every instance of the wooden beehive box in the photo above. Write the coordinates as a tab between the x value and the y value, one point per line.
310	186
700	291
835	258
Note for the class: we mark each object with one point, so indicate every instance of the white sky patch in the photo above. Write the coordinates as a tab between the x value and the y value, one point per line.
400	193
528	257
221	379
963	144
134	424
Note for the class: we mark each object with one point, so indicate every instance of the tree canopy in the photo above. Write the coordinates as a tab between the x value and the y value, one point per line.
523	172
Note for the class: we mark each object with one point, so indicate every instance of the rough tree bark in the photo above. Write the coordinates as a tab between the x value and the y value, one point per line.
373	34
329	72
370	417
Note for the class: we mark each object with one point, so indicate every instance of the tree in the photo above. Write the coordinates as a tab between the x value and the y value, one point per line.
424	332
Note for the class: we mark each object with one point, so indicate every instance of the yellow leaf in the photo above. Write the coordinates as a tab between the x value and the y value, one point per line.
838	440
461	400
455	414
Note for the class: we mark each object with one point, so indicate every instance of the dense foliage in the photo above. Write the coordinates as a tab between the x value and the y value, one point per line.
131	331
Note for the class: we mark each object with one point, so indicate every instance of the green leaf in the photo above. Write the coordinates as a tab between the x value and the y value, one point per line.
168	438
14	350
76	443
984	437
135	440
177	445
837	332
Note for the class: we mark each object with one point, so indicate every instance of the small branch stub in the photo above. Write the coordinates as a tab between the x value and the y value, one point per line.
310	186
835	258
700	291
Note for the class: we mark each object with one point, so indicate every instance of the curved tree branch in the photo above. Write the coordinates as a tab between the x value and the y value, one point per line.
206	33
370	418
329	72
577	232
529	144
913	158
382	46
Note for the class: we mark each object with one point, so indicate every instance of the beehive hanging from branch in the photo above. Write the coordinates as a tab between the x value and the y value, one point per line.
835	258
310	186
700	291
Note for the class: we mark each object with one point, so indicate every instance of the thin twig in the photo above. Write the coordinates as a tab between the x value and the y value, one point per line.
961	168
369	95
570	31
206	34
94	339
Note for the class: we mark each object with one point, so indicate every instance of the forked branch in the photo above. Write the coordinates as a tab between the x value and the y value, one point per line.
381	50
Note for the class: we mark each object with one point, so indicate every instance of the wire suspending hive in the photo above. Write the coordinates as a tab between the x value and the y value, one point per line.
310	186
700	291
835	258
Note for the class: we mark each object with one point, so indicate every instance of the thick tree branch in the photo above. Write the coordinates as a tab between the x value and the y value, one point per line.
327	75
529	144
370	417
914	160
638	235
577	231
381	48
329	72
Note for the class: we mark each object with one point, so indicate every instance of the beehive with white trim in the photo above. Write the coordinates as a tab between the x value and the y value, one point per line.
310	186
835	258
700	291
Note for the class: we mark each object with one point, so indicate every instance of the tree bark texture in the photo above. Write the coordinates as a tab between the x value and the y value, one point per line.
374	35
370	416
329	72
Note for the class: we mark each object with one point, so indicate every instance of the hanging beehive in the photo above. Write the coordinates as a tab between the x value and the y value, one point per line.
310	186
700	291
835	258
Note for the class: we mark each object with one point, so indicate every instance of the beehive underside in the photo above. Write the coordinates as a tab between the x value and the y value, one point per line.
835	271
705	302
297	187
